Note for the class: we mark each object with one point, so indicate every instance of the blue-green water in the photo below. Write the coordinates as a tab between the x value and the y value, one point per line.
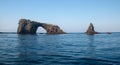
61	49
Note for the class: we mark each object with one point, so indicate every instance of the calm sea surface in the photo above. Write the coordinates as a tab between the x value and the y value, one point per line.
61	49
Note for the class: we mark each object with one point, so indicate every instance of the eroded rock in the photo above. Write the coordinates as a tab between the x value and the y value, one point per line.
30	27
90	30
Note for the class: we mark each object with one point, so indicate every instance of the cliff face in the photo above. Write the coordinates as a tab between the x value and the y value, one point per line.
90	30
30	27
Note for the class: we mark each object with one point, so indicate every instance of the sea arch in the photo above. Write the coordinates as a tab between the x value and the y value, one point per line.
27	26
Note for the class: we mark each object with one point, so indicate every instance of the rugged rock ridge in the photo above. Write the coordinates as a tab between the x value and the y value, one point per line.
52	29
90	30
30	27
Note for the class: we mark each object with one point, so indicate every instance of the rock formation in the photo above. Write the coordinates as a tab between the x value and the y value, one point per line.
30	27
90	30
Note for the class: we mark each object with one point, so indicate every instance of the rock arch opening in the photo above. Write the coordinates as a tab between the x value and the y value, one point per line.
41	30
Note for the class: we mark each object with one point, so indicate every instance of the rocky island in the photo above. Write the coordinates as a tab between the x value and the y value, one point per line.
27	26
90	30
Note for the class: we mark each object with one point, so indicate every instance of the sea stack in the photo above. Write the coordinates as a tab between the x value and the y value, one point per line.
27	26
90	30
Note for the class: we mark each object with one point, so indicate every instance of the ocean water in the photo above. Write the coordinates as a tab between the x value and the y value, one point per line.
60	49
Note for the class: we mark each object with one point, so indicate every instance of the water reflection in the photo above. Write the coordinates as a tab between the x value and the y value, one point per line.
51	44
26	48
91	47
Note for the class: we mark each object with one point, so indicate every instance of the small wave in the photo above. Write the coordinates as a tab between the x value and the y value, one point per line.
102	60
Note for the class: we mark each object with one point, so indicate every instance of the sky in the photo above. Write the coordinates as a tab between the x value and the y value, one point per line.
70	15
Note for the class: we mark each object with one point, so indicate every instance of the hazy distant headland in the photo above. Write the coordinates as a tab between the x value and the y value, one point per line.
8	32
